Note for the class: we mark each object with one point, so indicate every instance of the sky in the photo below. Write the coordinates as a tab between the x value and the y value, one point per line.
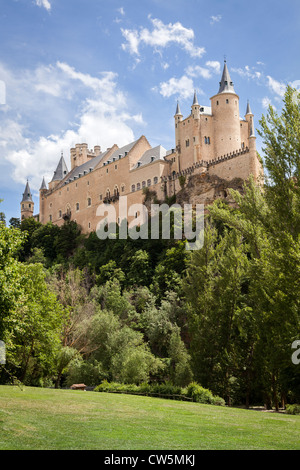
106	72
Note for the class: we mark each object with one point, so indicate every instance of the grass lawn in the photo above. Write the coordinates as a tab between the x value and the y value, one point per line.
46	419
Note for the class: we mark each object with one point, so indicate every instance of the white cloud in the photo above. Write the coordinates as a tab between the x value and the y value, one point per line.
215	19
181	87
278	88
99	118
248	72
43	3
121	11
214	65
197	71
161	36
266	102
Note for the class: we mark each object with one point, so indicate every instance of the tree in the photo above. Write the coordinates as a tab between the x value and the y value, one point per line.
14	222
32	329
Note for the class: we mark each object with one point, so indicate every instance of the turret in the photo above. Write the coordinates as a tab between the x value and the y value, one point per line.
249	118
178	118
195	107
27	204
43	190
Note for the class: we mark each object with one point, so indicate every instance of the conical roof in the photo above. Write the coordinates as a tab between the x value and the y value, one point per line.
195	101
178	109
43	186
226	85
61	170
27	196
248	110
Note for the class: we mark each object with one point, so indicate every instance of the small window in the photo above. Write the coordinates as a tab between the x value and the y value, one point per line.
217	103
116	167
133	188
50	218
77	206
89	224
227	101
123	188
100	197
187	143
59	214
149	182
205	140
106	170
155	180
89	201
143	184
138	186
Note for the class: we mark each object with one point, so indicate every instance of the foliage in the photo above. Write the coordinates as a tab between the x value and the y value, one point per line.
165	390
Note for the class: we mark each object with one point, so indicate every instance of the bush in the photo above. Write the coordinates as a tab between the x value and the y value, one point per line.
193	391
199	394
293	409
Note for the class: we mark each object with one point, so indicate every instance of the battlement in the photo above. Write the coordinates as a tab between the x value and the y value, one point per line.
204	164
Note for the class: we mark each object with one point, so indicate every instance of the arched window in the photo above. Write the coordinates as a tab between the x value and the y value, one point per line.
155	180
138	186
149	182
143	184
133	188
89	201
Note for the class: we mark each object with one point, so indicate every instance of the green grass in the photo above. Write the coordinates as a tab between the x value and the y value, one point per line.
46	419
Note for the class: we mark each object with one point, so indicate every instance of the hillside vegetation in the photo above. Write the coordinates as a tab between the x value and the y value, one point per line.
74	308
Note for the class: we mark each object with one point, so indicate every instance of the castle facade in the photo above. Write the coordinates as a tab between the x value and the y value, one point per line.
212	141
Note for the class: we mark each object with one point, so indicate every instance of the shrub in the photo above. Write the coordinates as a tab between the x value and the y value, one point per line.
193	391
199	394
293	409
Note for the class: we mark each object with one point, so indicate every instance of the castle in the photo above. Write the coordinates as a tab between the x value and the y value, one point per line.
212	141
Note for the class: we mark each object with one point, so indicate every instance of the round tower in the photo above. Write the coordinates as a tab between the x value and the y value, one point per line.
178	118
27	204
226	117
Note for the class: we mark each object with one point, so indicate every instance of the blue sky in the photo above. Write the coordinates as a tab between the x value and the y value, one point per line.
105	72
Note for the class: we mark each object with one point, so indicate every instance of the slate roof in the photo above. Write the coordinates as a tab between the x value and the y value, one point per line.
157	153
226	85
27	196
43	186
61	170
248	110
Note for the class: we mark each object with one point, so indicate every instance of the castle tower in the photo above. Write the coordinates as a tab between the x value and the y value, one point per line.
226	116
43	190
249	118
195	141
27	204
178	118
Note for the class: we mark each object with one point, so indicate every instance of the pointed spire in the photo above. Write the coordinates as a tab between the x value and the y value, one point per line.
178	112
195	98
43	186
61	170
248	110
27	196
226	85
